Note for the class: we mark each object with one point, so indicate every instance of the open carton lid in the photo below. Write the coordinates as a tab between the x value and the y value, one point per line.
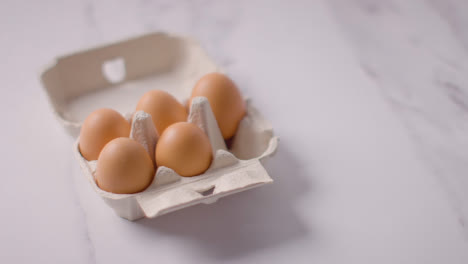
116	76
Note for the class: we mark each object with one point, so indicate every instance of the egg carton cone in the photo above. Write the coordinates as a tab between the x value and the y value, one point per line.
116	76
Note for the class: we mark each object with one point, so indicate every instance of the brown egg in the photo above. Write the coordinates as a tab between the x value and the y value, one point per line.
100	127
124	166
185	148
163	108
225	101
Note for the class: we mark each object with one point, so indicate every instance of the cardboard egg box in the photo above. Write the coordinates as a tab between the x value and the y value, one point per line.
116	76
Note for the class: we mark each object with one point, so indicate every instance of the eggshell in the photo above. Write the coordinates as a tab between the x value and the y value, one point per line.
76	85
225	101
100	127
185	148
164	109
124	166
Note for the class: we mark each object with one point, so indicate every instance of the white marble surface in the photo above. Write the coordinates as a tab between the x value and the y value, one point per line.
370	99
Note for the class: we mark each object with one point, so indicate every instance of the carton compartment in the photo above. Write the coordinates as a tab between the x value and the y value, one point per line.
82	82
116	76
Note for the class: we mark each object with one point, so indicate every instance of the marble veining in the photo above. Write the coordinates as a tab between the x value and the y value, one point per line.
369	98
91	257
416	53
